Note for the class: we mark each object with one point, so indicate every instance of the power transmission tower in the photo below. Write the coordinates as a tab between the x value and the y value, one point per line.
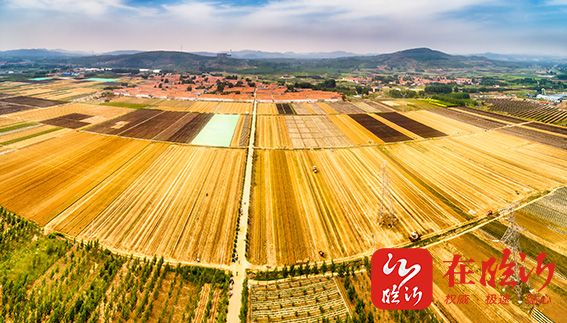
387	216
511	239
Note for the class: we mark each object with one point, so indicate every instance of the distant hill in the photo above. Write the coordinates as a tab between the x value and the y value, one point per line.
263	62
406	60
524	58
123	52
424	58
256	54
38	53
166	60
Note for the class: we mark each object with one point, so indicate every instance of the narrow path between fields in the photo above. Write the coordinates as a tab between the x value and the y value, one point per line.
240	266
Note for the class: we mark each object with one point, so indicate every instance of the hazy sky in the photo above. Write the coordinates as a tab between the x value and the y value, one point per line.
362	26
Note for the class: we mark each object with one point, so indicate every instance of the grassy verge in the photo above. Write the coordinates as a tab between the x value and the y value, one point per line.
28	136
244	309
17	126
126	105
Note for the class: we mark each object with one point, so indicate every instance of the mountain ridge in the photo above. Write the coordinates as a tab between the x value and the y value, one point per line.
410	59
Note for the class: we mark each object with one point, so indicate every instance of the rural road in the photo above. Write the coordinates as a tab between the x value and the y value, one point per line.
240	266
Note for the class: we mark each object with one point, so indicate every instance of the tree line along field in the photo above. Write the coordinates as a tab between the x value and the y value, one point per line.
297	300
434	185
180	210
51	279
326	293
355	286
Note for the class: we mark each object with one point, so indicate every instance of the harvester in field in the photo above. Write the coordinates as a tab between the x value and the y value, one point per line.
414	236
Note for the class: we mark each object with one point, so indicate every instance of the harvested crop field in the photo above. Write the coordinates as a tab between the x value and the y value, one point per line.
24	133
189	130
448	125
272	132
153	126
314	131
381	130
172	126
267	108
226	108
125	122
285	108
356	133
483	172
206	106
242	135
299	108
7	108
558	141
411	125
299	132
380	107
472	119
435	184
42	180
178	201
491	115
307	108
53	90
547	127
100	113
296	213
366	107
346	108
31	101
72	121
142	101
35	138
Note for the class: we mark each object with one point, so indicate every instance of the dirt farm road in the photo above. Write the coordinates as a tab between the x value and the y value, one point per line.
240	266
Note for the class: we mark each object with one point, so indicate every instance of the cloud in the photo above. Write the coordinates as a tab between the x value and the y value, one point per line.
86	7
457	26
307	9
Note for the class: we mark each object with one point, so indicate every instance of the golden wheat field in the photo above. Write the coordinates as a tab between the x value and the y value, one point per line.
146	196
129	194
434	184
